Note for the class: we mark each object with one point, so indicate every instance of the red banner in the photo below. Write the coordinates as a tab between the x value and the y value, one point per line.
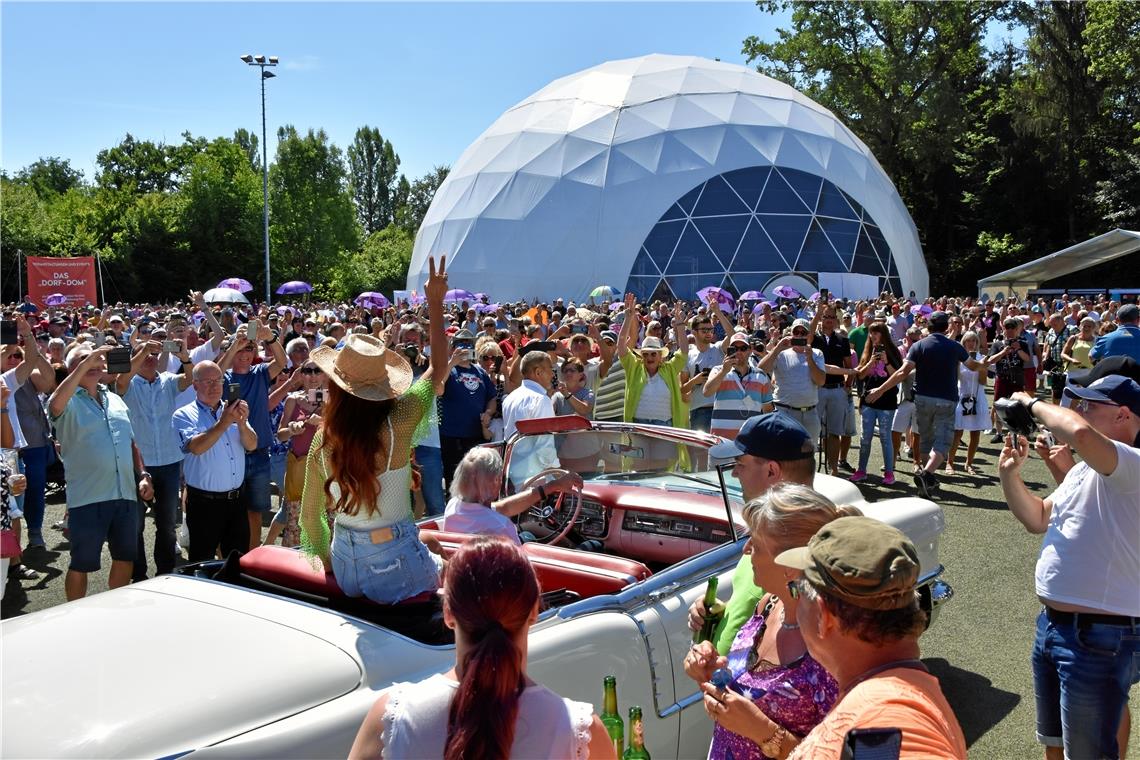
73	278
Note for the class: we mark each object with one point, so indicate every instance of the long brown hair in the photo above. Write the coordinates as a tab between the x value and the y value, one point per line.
490	591
894	358
353	433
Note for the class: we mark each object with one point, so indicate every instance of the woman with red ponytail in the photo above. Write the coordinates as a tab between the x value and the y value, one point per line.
485	707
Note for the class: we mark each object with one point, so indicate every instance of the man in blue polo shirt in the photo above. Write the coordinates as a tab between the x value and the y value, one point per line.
96	443
1124	340
255	381
216	440
467	395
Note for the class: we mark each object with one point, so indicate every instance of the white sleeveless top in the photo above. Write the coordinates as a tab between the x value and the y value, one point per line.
547	726
394	506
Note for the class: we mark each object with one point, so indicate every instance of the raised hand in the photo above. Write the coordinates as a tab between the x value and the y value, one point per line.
436	287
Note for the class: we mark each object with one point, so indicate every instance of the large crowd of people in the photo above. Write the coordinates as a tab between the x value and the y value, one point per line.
196	413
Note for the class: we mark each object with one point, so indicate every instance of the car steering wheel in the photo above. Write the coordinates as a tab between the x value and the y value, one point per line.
554	516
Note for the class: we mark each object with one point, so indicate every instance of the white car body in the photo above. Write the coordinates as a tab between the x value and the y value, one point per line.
183	665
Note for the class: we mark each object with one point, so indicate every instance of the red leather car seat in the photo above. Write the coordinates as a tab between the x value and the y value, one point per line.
292	569
587	573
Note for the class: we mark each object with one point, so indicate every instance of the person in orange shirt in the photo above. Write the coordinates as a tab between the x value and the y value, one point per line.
858	612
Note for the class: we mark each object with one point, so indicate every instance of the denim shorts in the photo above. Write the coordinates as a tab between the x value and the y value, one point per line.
1081	677
114	522
255	487
386	573
934	418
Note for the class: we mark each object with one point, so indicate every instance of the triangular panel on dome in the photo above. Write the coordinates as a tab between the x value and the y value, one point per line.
895	285
817	254
751	110
843	234
704	141
645	152
764	140
879	242
718	199
833	202
590	121
723	234
728	284
780	198
661	292
591	172
689	199
758	253
807	120
676	156
806	185
699	80
519	197
688	115
866	261
673	212
632	126
525	147
819	148
855	205
623	168
651	85
692	254
779	109
550	163
662	240
642	287
686	286
656	112
718	104
543	116
577	152
643	265
787	232
748	183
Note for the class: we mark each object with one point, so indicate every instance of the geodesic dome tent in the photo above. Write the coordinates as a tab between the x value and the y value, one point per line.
662	175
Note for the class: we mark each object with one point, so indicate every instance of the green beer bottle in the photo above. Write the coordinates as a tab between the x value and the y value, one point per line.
611	719
636	750
714	611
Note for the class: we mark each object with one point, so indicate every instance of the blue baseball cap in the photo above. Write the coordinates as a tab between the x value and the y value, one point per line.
774	436
1113	389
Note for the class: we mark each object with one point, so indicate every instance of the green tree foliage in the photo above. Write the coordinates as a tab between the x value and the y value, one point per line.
220	213
372	167
249	142
419	194
381	266
50	176
312	218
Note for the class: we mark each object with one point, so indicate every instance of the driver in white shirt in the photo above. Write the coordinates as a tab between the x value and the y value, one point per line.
530	400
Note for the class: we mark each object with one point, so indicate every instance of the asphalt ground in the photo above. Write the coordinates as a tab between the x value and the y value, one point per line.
979	646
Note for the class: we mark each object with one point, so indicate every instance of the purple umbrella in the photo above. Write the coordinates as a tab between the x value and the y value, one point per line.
55	299
752	295
371	300
787	291
814	297
922	309
236	283
458	294
722	296
293	287
487	308
482	297
759	308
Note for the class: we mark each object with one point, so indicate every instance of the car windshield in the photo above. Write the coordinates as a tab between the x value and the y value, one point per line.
636	456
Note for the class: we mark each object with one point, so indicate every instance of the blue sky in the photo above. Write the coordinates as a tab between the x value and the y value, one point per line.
76	78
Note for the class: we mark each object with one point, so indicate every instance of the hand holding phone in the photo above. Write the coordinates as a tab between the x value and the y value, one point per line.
118	360
233	392
251	330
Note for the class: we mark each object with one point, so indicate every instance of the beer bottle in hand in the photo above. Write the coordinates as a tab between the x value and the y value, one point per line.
611	719
636	750
714	611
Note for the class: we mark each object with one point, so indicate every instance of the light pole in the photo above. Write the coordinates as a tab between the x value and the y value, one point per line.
261	62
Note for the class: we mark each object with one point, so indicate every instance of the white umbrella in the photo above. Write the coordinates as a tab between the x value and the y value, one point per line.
224	295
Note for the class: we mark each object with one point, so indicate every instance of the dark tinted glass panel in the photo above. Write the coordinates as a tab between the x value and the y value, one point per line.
673	212
817	254
787	232
832	202
642	266
748	183
779	198
662	240
642	287
753	280
843	236
693	255
689	199
686	287
757	253
723	234
718	198
806	185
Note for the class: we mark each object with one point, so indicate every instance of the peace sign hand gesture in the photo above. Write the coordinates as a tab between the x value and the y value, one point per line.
436	287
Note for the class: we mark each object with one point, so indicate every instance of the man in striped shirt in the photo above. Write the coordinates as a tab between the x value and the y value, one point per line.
737	390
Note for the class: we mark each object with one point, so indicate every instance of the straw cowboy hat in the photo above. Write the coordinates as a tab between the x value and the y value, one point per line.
365	368
652	345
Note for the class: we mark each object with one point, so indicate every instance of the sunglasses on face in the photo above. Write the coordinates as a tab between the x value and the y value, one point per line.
311	371
734	350
1082	405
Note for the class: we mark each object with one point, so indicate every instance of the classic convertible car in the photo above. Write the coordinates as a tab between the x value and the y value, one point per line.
265	657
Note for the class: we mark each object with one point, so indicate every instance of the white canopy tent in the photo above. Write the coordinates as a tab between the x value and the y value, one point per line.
1021	279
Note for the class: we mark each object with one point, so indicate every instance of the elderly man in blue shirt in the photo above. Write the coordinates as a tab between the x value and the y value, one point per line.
1124	340
96	442
215	438
152	397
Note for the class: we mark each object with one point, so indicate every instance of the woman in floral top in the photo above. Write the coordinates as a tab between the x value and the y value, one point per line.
777	692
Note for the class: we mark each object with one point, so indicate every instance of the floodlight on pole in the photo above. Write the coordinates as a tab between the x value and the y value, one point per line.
260	62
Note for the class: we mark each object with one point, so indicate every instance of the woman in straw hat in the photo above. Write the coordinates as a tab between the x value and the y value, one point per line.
358	465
